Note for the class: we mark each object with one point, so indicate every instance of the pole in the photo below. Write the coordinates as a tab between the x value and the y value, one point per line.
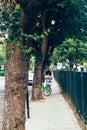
28	111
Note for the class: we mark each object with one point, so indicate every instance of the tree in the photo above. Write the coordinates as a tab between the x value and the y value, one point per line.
21	18
16	74
44	35
72	49
54	34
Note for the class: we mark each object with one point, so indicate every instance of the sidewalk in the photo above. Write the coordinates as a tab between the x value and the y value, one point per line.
52	113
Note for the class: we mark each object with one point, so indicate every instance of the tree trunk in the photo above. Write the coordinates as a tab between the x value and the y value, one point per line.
39	66
16	82
38	72
36	90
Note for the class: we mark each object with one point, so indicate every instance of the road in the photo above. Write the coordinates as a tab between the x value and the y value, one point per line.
1	108
2	86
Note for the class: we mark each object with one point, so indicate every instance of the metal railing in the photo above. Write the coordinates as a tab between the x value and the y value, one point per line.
74	86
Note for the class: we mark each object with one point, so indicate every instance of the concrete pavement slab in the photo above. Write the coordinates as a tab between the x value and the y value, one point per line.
52	113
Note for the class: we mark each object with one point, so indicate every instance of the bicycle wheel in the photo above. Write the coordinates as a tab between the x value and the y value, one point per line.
47	91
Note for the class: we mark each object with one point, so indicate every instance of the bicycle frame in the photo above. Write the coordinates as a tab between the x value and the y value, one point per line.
46	88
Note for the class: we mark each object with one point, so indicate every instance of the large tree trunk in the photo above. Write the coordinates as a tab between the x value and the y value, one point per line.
15	89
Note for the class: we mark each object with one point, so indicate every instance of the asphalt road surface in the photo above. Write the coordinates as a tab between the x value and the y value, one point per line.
1	108
2	86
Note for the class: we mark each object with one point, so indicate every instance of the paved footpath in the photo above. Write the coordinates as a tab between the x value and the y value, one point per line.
52	113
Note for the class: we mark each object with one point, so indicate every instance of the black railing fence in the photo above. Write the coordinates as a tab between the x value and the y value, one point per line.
74	86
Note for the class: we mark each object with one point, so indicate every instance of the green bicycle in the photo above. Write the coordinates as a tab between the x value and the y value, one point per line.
46	89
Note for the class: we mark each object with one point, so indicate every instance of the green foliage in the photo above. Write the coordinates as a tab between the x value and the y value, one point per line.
2	54
11	21
26	51
35	36
72	9
85	64
72	49
69	16
32	62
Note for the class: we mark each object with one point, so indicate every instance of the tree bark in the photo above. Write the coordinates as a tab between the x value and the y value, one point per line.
16	82
36	90
39	67
38	73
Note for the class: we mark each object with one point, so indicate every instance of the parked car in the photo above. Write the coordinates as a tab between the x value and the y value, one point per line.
30	82
30	77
